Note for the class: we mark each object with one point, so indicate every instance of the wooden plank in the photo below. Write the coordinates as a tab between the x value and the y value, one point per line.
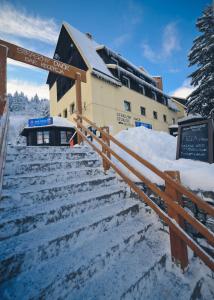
179	187
43	62
3	77
78	101
180	210
178	246
179	231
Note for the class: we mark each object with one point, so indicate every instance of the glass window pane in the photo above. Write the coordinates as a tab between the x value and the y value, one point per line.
39	138
63	137
46	137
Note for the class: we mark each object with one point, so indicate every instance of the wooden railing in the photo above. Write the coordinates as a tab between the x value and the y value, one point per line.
4	121
176	214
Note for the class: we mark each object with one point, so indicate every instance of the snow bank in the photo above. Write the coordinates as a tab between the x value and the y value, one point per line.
159	148
16	125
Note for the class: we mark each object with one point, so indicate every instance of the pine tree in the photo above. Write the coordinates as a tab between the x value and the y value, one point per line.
201	100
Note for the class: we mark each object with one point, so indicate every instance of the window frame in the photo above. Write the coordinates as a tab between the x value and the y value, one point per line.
65	113
143	88
129	104
155	115
43	138
154	95
142	107
72	105
128	80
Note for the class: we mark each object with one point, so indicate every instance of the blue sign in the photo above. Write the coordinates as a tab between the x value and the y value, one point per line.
139	124
40	122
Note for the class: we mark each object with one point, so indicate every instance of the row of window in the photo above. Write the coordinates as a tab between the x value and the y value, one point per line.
141	89
43	137
127	107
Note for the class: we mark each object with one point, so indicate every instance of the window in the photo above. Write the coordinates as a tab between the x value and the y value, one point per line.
115	61
154	96
65	113
164	118
59	115
173	121
165	100
142	89
72	108
126	81
127	105
155	115
142	111
130	70
65	137
43	137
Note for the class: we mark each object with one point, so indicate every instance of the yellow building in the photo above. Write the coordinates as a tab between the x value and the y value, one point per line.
117	93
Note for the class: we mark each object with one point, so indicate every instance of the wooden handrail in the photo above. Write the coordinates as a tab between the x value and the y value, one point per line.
179	187
209	261
179	209
4	121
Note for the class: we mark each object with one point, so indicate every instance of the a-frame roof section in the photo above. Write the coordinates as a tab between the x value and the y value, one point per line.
87	48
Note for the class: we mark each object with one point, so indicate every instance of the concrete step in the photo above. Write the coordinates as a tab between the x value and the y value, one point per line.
14	168
20	182
50	149
113	281
29	250
38	194
81	266
49	156
23	219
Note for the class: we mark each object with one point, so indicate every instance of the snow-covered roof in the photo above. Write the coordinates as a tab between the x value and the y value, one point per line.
172	105
57	122
140	80
114	54
190	117
87	47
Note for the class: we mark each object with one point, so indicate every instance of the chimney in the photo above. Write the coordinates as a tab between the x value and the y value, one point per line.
159	82
89	35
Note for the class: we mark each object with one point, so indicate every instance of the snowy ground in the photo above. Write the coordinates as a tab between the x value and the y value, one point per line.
159	148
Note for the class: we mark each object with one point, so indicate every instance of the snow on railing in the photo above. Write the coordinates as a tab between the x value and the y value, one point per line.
176	215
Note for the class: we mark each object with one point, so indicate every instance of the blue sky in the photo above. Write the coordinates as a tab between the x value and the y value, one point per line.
150	33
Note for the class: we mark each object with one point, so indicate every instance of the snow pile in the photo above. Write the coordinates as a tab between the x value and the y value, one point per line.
16	125
159	148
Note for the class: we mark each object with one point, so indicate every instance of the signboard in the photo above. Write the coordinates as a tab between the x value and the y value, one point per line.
139	124
195	141
40	122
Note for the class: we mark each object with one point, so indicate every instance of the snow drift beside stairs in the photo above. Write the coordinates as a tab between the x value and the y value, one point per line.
159	148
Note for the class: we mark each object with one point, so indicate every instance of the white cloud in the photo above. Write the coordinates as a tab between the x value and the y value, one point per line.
170	43
19	23
121	40
28	88
184	90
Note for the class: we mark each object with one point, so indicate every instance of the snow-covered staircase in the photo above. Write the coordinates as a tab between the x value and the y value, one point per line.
69	231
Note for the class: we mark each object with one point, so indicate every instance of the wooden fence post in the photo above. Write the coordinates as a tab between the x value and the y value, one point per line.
106	140
78	103
178	246
3	77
